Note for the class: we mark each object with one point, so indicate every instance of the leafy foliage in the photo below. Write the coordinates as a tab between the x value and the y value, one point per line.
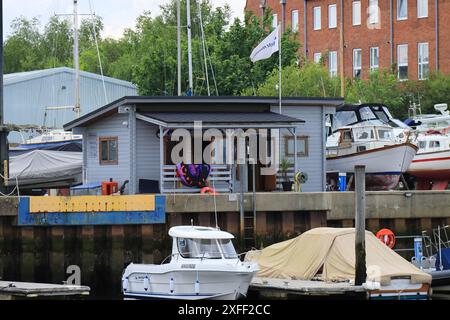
147	56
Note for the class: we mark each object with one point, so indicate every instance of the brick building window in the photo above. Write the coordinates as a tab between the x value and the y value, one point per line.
374	12
317	18
374	58
356	13
317	57
402	61
332	63
274	20
294	17
108	150
402	9
357	63
423	60
332	16
422	8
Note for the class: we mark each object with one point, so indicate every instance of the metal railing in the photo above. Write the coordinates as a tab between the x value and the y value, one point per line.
220	177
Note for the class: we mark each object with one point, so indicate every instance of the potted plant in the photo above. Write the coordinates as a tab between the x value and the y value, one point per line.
284	167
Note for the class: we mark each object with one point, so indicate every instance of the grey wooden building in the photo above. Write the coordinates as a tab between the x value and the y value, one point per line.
27	95
130	139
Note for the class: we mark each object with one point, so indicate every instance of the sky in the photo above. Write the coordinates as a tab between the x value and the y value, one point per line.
117	14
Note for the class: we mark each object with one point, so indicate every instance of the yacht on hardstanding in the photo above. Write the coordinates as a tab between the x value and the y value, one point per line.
431	166
203	265
363	135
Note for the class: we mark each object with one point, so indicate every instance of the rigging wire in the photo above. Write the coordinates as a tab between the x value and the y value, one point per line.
208	54
94	29
202	33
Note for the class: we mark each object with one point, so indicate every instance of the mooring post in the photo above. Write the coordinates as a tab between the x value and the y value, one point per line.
241	205
4	156
360	225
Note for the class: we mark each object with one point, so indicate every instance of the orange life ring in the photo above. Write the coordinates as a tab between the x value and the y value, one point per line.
387	237
208	190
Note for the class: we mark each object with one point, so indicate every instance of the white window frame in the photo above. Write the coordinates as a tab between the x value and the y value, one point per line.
422	8
317	56
420	60
402	64
398	10
294	21
374	12
332	16
274	20
332	63
355	66
317	18
356	8
374	66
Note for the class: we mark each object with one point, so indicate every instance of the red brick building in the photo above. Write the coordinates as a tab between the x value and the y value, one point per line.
413	35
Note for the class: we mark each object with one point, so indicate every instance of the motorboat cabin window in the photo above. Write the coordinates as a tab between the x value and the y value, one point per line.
363	134
385	134
199	248
347	136
344	118
422	144
435	144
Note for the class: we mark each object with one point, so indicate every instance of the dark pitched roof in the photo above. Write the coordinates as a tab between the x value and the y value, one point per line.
221	117
147	103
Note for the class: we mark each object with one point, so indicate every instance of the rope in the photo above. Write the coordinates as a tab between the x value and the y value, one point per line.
16	188
94	29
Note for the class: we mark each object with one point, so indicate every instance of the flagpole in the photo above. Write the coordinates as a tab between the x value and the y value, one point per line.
279	67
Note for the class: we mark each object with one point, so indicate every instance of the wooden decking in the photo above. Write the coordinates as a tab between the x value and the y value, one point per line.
24	290
285	289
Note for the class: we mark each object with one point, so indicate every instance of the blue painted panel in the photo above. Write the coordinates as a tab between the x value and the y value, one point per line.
90	218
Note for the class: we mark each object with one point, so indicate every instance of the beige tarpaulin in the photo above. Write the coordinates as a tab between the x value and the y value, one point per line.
331	252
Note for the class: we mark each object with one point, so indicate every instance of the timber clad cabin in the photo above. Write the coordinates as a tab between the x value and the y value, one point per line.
130	139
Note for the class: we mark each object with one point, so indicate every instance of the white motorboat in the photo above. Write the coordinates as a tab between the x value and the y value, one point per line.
203	265
374	146
431	165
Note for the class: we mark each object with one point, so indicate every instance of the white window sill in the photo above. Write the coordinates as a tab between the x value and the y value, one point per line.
401	19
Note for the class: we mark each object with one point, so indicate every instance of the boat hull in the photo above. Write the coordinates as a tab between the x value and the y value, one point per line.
383	165
192	284
432	169
401	290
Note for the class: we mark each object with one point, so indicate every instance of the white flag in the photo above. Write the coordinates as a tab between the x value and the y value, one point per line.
267	47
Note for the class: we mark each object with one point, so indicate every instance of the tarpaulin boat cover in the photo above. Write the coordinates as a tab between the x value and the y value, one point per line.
41	166
331	252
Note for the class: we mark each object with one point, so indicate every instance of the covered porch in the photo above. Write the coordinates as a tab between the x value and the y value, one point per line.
227	174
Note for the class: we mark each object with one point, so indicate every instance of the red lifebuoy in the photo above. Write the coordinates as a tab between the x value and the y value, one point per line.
387	237
208	190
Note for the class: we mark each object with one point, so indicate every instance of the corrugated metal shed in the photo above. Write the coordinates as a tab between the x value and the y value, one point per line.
27	94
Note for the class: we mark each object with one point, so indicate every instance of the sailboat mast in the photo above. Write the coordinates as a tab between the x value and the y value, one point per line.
76	59
179	45
188	11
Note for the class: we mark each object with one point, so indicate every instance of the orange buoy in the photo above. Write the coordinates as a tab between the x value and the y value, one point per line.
387	237
208	190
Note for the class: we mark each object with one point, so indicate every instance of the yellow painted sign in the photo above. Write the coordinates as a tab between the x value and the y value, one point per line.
92	204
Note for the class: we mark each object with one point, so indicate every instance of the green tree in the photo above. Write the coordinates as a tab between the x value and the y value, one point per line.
309	80
22	48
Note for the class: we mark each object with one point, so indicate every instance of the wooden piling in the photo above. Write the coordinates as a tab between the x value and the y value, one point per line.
360	225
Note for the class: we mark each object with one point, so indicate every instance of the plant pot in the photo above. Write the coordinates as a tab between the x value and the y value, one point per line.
287	186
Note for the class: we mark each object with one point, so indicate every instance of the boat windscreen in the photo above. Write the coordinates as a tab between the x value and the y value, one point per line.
367	114
344	118
228	249
199	248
